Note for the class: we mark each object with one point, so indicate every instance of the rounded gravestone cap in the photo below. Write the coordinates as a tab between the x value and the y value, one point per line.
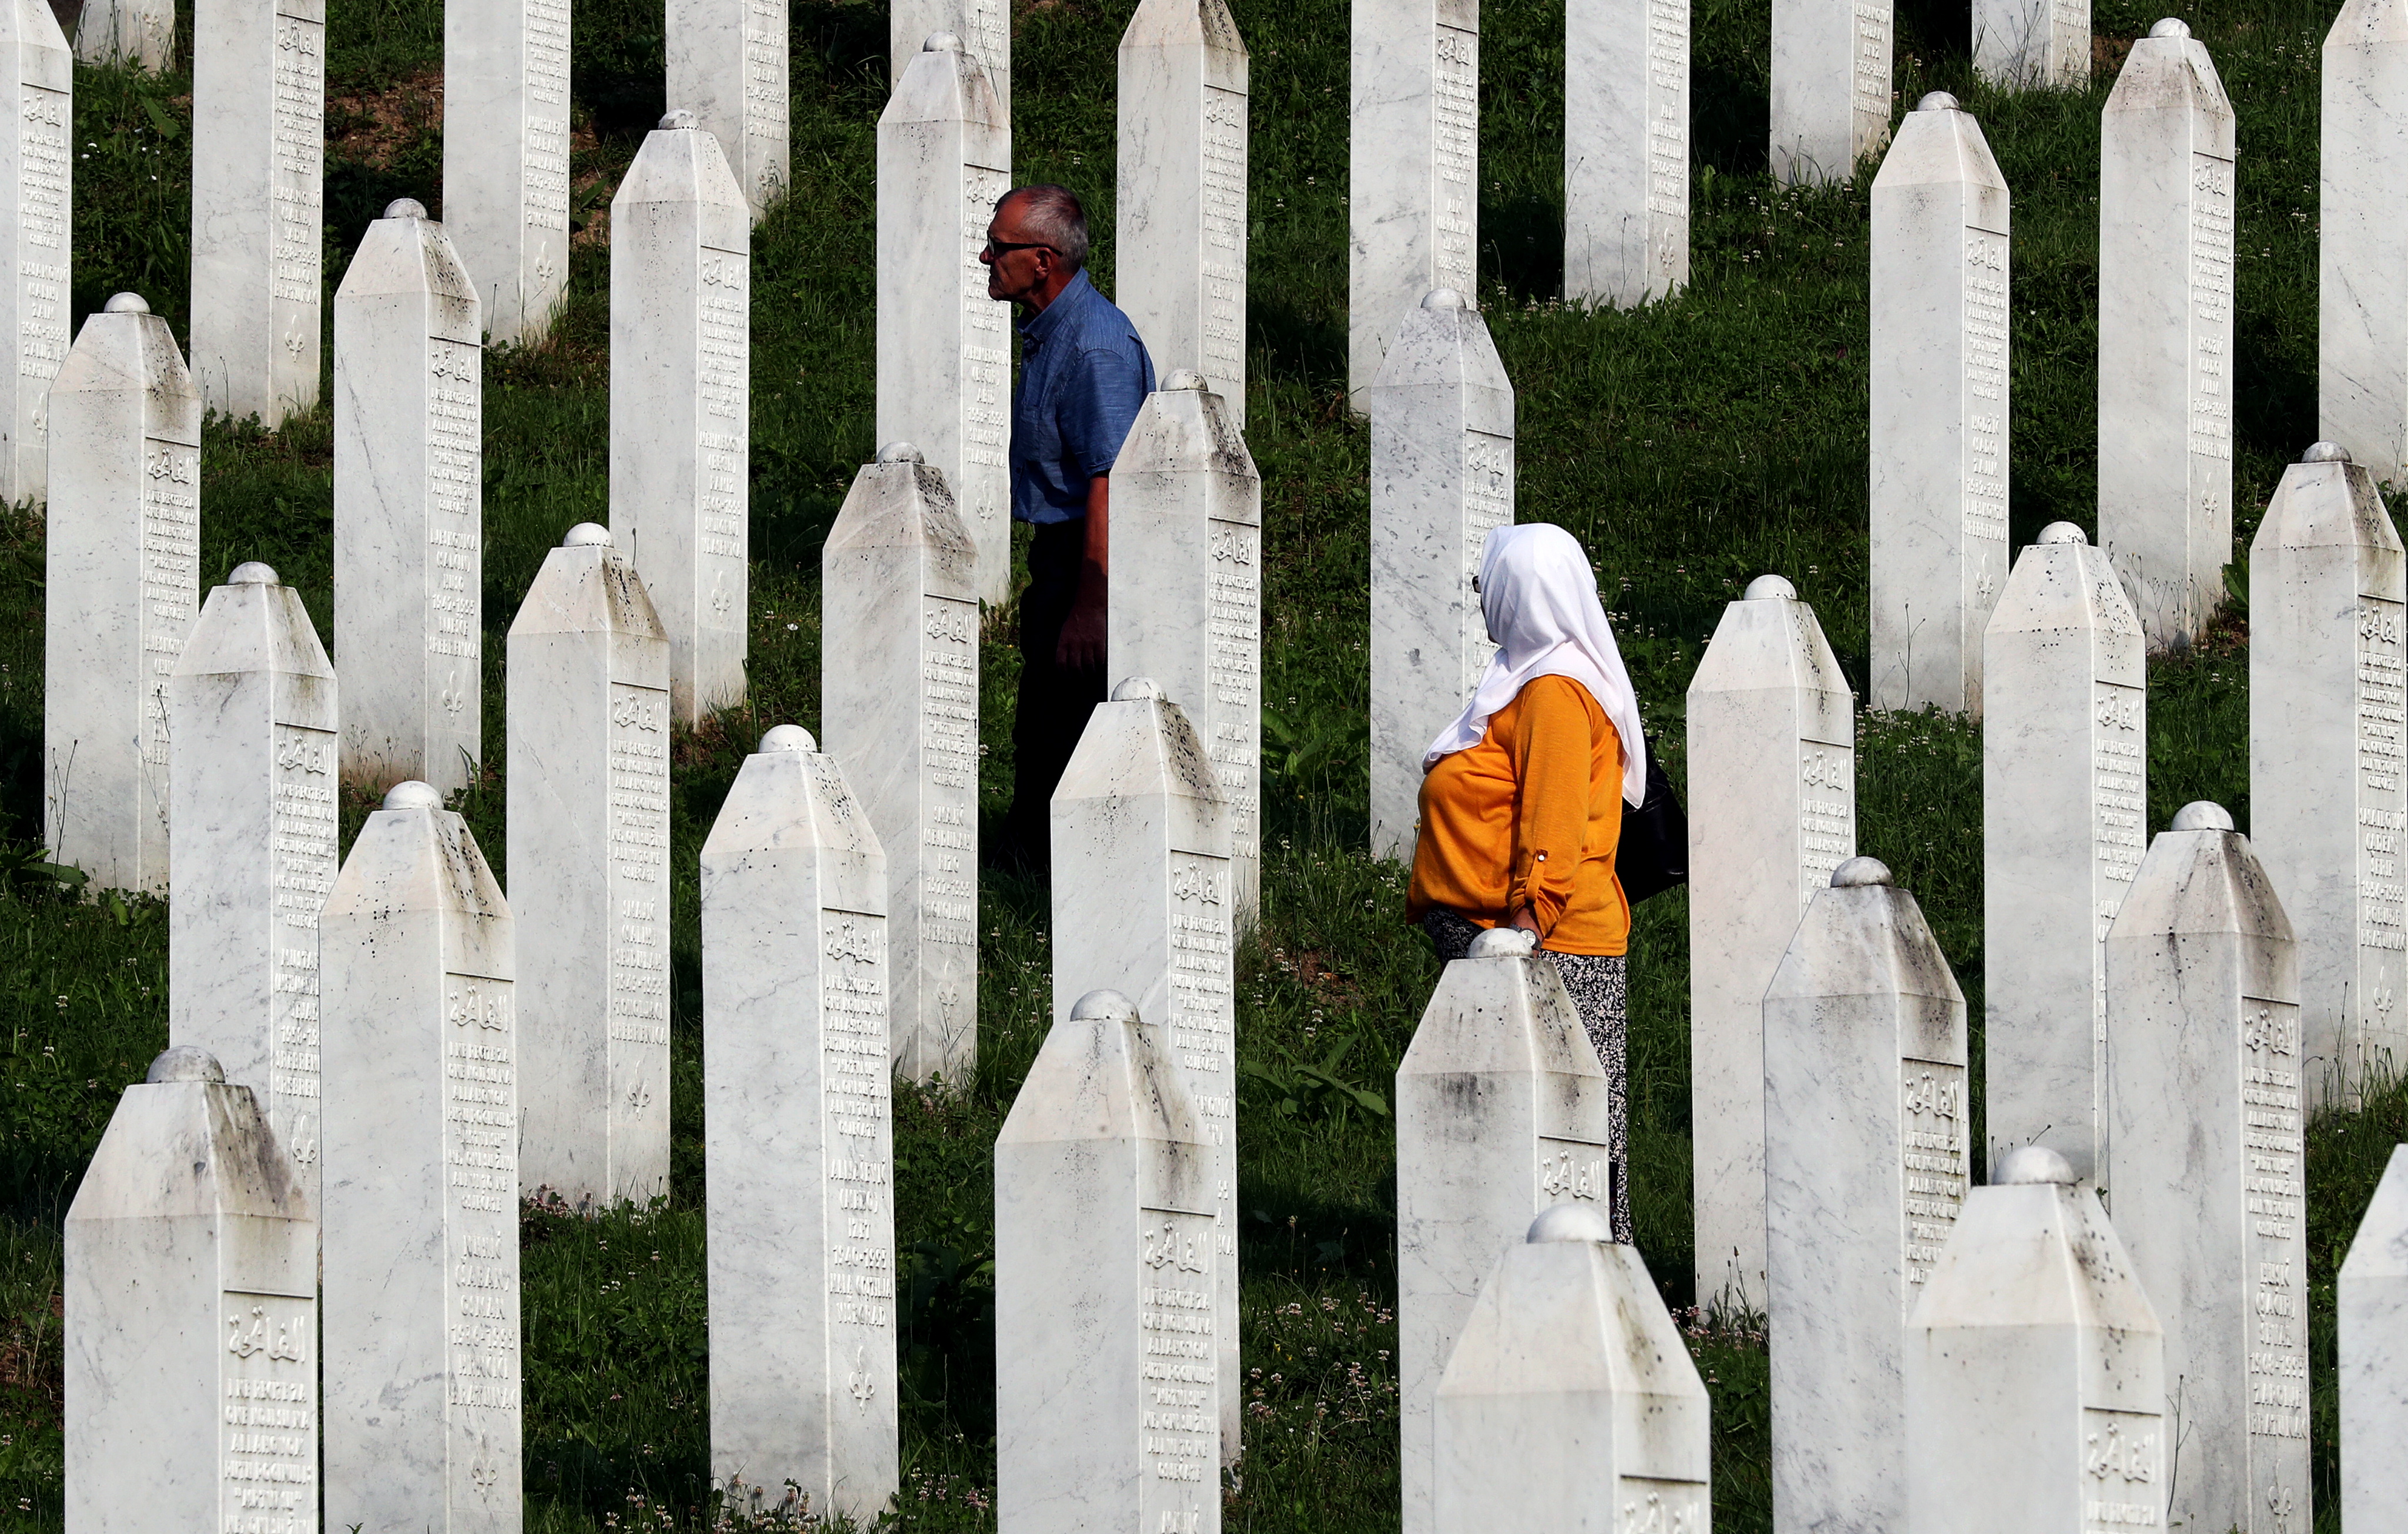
1503	942
788	737
2063	532
941	42
901	452
1938	101
186	1063
404	207
126	303
1103	1006
2202	815
1186	377
412	795
2325	452
250	572
1765	588
1572	1222
2035	1164
2171	27
1858	872
678	119
1134	689
1444	299
587	535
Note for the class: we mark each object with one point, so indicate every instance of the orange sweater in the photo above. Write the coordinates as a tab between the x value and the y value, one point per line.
1530	816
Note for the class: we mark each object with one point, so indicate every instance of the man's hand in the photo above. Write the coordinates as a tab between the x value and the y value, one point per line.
1081	645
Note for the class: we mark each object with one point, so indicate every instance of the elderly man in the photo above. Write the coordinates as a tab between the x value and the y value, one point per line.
1083	373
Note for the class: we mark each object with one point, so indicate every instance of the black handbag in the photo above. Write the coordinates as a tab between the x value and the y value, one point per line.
1654	855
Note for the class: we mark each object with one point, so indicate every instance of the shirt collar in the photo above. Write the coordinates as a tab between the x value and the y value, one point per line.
1074	295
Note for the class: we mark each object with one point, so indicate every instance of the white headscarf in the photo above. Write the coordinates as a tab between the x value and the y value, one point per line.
1539	598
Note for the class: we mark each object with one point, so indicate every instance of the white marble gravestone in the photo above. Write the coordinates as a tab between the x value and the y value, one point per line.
1831	88
1442	477
2362	248
259	134
899	708
588	776
2035	1368
1865	1161
141	32
680	403
2206	1166
2064	786
191	1316
1108	1401
1938	425
1626	150
1412	179
36	231
982	27
945	347
1569	1401
122	571
2165	328
2328	581
727	65
1502	1111
2374	1315
1143	906
1187	592
252	707
1772	810
1180	219
410	454
505	157
421	1182
2032	45
798	1144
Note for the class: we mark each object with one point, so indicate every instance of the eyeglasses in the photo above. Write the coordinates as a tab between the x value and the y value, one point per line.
997	247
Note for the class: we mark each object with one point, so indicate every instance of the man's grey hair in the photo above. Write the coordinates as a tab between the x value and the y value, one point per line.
1054	216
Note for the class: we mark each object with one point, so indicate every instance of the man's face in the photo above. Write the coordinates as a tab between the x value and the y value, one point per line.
1017	264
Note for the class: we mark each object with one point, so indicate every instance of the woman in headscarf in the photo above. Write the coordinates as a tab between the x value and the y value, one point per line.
1522	795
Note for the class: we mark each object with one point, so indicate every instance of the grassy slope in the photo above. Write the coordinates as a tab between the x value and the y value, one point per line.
1692	445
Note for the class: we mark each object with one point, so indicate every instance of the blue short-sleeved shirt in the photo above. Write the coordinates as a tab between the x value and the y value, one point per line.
1083	373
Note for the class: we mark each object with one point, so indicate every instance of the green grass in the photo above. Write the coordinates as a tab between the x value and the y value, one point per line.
1692	445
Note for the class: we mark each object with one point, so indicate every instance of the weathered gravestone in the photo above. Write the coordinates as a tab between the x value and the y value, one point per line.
422	1151
1142	905
2374	1315
409	455
2361	245
1626	150
727	65
2205	1166
2165	333
2064	784
1442	477
1108	1402
191	1316
1772	810
1570	1400
1830	87
2327	577
122	577
2032	45
259	135
505	157
681	412
944	357
1187	594
1180	214
899	708
36	231
1502	1110
2035	1368
589	862
252	708
1939	426
798	1148
1412	179
141	32
984	28
1865	1166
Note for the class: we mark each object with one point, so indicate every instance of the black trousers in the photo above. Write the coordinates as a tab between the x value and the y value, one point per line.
1054	699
